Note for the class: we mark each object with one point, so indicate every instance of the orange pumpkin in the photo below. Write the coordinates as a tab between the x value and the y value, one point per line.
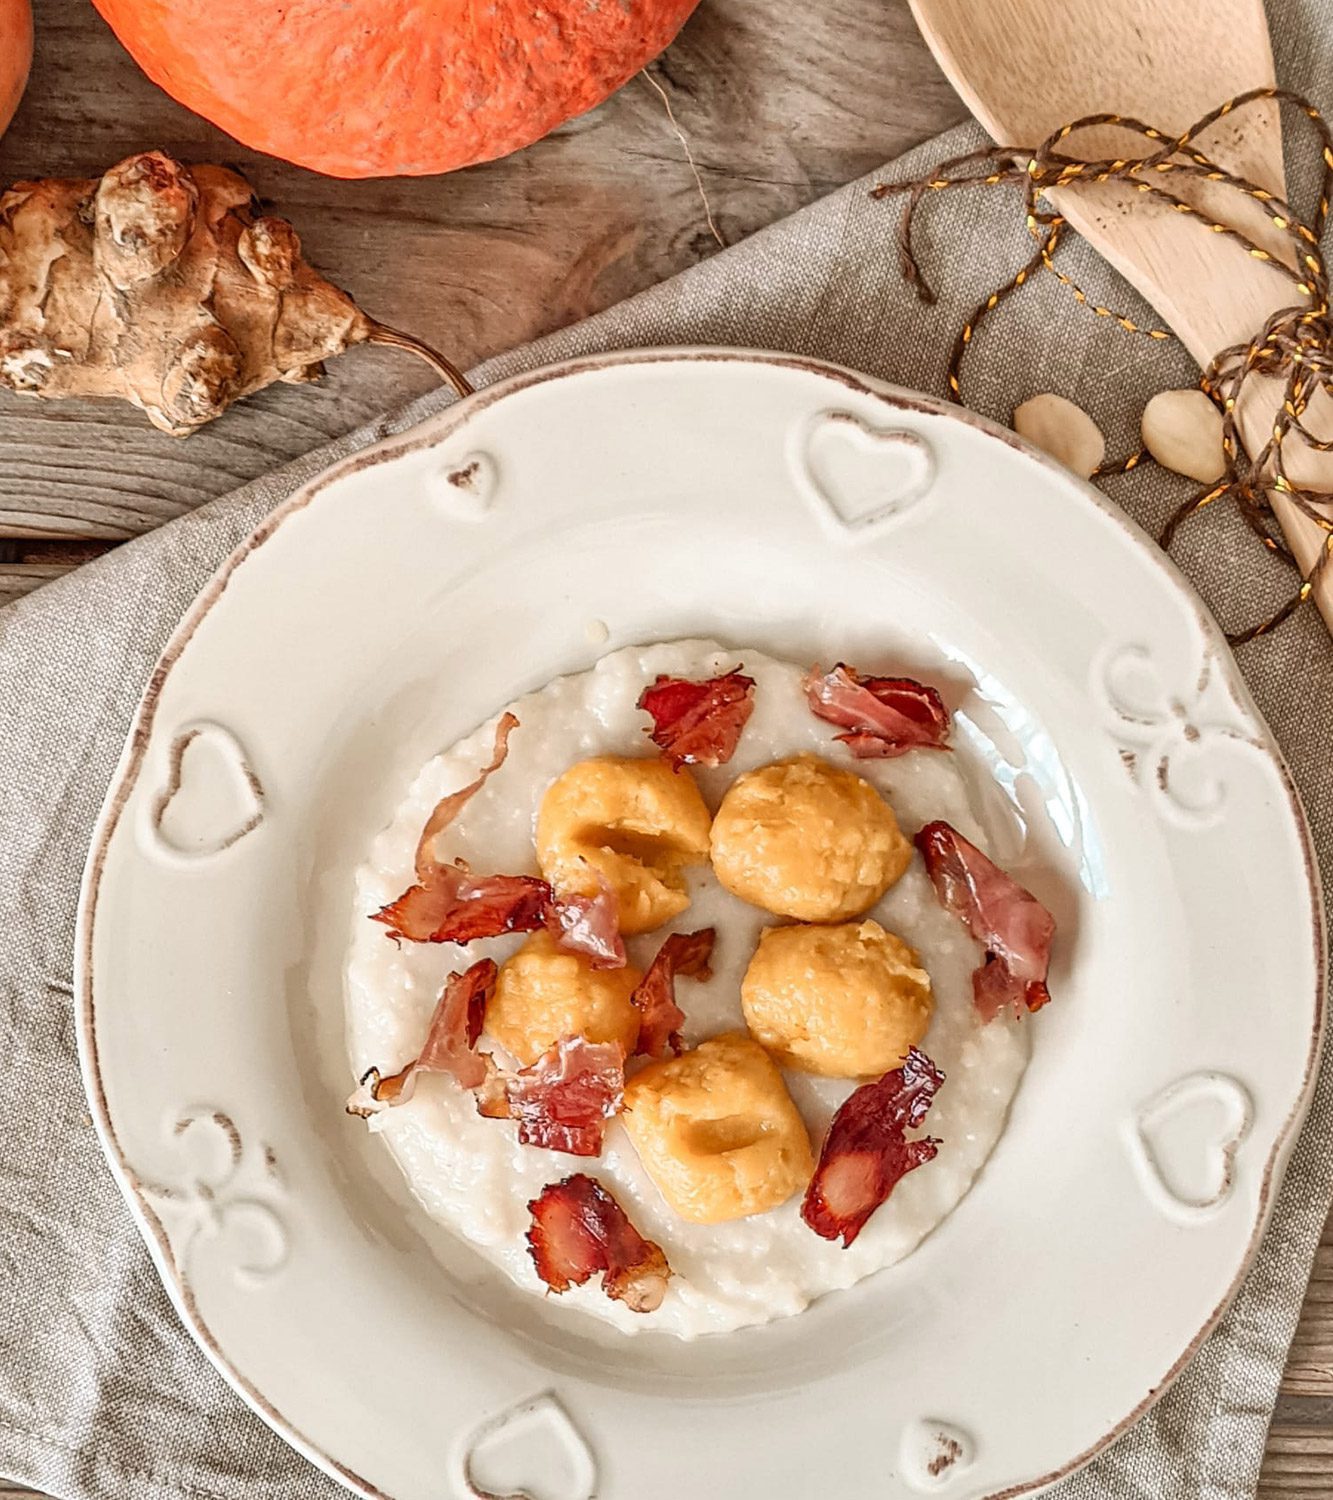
15	55
375	88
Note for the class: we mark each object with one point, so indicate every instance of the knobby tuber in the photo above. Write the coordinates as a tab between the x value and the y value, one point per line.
165	285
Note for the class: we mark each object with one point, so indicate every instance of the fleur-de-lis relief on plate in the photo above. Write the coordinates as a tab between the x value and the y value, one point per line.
223	1198
1176	742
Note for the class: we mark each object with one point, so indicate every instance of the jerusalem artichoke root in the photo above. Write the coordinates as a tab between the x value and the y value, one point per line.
165	285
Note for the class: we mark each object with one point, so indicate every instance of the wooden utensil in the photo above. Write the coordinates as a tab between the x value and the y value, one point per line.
1026	67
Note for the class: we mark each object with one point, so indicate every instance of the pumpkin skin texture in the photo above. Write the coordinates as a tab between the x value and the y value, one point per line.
380	88
15	55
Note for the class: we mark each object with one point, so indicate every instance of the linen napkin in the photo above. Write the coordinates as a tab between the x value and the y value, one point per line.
102	1393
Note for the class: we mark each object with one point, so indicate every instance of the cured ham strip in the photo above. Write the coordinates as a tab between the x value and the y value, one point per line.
654	997
698	723
450	1045
563	1101
589	925
448	904
866	1153
1013	926
449	807
578	1229
454	906
491	1093
883	716
451	905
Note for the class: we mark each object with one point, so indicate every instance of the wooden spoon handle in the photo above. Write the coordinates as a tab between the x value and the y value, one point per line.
1027	67
1214	294
1255	414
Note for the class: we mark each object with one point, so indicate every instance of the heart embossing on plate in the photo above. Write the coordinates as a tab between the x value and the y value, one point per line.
1184	1142
860	477
532	1451
465	487
211	797
932	1453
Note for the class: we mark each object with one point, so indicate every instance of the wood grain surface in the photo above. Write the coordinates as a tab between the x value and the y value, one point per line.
475	262
776	116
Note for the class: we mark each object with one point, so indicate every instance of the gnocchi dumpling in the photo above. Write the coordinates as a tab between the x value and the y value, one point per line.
805	839
846	1001
545	993
634	824
717	1131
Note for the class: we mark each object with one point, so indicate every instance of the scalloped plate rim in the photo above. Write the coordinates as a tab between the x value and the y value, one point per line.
433	431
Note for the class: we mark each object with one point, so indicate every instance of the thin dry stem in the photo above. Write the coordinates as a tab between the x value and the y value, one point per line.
689	157
391	338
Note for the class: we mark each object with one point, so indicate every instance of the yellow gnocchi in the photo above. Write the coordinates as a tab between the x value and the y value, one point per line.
846	1001
805	839
634	824
545	993
717	1131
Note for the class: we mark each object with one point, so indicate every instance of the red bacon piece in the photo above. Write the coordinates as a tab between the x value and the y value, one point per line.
563	1101
589	925
884	716
454	906
685	953
698	723
449	807
451	905
866	1153
578	1229
1014	927
450	1045
448	904
492	1092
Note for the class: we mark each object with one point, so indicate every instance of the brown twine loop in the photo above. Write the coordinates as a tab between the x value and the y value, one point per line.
1295	345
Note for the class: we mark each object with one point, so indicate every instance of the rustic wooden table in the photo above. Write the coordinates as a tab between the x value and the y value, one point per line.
486	259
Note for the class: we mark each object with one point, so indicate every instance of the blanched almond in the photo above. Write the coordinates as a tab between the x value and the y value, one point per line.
1063	430
1183	432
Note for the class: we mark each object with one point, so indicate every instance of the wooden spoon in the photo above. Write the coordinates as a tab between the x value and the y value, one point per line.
1026	67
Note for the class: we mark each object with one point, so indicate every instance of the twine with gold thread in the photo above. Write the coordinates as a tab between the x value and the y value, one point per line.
1294	345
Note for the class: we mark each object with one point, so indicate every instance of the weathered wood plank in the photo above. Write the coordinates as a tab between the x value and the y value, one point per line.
1310	1368
17	579
1299	1461
27	564
475	262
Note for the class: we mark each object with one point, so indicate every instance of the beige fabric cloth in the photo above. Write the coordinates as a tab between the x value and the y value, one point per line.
102	1394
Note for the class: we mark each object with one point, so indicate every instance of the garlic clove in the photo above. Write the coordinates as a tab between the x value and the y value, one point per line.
1063	430
1183	432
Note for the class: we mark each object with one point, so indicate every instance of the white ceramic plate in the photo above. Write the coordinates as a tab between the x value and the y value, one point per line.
400	599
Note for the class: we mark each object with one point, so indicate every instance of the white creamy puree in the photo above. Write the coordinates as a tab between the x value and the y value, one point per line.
472	1175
